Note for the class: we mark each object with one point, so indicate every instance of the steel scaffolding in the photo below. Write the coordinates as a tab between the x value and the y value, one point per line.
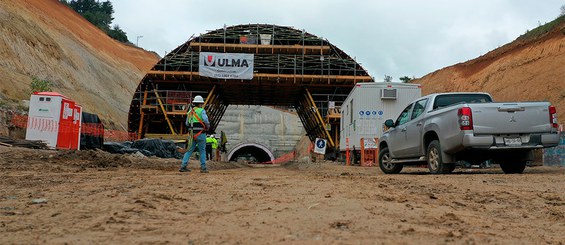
292	68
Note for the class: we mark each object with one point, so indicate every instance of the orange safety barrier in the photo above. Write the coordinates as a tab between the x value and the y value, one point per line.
291	156
18	120
311	148
283	159
369	156
117	136
93	129
178	97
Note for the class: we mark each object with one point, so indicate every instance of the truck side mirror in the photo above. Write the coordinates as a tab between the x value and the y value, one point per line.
389	123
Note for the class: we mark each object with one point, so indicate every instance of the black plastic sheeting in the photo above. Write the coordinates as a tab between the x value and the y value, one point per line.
147	147
92	134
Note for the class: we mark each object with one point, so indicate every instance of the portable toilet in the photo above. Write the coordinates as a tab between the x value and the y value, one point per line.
54	119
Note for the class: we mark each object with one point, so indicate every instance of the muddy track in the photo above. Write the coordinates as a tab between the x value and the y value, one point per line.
72	197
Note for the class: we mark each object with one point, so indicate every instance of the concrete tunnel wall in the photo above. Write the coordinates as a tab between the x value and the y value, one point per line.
276	130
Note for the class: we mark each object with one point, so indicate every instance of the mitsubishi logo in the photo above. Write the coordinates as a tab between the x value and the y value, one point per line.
512	119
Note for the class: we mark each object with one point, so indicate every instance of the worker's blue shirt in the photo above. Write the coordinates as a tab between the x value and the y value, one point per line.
205	118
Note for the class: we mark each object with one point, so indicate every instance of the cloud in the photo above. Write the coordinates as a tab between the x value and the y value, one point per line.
396	38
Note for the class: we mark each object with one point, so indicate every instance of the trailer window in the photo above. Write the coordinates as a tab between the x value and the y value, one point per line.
41	98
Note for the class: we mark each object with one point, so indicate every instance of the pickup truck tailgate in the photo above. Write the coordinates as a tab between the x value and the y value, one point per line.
510	118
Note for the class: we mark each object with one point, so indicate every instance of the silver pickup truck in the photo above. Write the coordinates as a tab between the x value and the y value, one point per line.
442	129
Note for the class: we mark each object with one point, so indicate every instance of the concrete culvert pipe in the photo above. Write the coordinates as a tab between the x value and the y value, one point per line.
251	152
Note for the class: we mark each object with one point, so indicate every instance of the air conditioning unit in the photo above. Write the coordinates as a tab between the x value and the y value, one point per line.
388	94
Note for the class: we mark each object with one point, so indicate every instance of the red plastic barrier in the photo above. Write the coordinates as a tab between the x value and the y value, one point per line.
369	157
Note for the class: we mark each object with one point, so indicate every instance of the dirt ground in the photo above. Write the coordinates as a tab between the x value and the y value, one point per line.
56	197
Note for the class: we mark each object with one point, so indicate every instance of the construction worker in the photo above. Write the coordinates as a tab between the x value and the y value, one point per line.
223	142
215	151
209	153
197	122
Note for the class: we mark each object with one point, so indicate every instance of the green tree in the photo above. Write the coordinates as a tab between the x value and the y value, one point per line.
117	33
99	19
388	79
83	6
40	85
406	79
99	14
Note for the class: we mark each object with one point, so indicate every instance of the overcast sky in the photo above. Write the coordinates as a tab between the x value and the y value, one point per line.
396	38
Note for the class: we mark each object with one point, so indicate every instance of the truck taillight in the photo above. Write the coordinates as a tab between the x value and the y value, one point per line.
465	118
553	116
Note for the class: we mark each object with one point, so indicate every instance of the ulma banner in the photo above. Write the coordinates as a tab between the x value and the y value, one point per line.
226	65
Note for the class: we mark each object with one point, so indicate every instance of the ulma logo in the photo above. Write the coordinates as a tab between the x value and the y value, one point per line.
211	60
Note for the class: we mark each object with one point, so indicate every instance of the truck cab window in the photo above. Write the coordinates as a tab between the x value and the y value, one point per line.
404	116
453	99
419	108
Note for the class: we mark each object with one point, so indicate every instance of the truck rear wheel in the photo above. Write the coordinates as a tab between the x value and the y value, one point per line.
512	167
386	165
435	161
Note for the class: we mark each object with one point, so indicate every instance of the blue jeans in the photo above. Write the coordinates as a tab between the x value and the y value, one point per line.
200	142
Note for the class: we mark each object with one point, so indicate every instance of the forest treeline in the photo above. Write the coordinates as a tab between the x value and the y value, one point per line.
100	14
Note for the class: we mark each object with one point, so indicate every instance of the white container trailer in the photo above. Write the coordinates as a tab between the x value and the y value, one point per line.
367	107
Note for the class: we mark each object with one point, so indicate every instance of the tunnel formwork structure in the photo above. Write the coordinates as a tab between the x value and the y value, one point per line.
292	68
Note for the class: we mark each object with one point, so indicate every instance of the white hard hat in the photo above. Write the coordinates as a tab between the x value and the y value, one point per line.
198	99
212	136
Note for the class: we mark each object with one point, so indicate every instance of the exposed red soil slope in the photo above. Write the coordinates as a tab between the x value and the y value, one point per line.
66	21
48	40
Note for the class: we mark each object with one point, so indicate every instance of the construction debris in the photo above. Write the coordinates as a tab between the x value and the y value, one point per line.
33	144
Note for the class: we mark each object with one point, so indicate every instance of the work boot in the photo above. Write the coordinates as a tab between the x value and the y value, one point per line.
184	170
204	171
